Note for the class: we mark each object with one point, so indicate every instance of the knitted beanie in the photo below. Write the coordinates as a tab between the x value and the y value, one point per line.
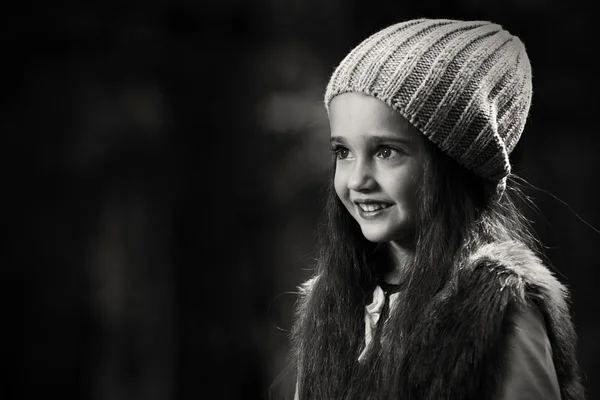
466	85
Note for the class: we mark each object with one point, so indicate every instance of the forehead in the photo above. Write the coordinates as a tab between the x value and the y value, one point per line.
353	113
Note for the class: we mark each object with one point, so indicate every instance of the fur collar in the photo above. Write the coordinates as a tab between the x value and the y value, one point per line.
459	347
519	277
516	260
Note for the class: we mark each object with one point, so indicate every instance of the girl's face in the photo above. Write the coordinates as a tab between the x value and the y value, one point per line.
379	164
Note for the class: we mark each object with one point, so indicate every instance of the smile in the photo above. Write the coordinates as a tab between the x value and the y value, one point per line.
372	210
370	207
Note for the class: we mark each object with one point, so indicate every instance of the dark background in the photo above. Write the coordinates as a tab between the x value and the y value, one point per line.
164	170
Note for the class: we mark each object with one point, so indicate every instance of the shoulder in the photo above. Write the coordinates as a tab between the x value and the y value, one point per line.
512	271
305	287
304	291
500	299
513	288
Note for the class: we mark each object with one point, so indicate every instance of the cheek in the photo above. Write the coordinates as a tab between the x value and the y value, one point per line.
340	185
412	190
406	187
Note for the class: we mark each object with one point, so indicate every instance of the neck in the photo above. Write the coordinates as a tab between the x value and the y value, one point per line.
401	254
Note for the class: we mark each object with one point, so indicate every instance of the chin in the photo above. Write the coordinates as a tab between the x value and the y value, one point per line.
375	236
385	235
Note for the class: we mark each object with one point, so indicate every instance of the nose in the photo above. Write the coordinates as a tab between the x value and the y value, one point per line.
361	178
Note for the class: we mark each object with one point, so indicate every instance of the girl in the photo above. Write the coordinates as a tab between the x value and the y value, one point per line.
429	284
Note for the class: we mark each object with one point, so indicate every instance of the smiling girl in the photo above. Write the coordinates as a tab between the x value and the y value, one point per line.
429	283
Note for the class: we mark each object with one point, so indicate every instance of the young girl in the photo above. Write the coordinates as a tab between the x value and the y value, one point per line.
429	284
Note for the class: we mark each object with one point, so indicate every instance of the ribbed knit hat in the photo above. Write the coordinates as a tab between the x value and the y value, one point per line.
466	85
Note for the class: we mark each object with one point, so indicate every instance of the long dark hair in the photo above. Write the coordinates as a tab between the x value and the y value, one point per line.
457	212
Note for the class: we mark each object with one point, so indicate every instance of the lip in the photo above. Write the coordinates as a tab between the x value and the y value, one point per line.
369	215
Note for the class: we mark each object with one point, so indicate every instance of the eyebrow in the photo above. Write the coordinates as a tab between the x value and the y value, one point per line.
375	139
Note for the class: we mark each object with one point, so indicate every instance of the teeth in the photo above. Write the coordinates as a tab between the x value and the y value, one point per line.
372	207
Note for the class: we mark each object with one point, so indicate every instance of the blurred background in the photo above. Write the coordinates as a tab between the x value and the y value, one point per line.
169	158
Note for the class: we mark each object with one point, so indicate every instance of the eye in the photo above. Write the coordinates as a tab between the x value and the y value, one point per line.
386	152
340	152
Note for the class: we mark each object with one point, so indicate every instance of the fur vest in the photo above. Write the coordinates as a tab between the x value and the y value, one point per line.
461	350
